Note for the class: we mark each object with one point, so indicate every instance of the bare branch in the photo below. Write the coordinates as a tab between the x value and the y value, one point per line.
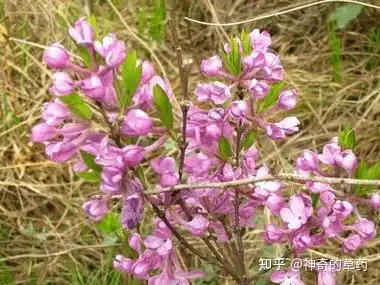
281	176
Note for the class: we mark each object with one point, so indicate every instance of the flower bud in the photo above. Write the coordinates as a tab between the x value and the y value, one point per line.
136	123
96	209
239	109
63	84
288	99
43	132
94	88
365	228
82	32
375	201
56	56
347	160
212	66
147	72
135	241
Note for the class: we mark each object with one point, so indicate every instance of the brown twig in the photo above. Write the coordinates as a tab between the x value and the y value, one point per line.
297	178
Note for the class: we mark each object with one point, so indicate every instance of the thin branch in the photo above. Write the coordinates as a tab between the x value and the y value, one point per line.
281	176
278	13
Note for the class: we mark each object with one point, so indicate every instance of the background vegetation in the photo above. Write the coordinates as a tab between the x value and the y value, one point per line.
331	53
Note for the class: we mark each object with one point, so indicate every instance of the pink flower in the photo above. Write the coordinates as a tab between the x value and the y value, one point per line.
342	208
212	66
197	226
273	234
136	123
61	151
82	33
132	211
308	161
239	109
332	225
94	87
96	209
347	160
330	151
112	50
291	277
62	84
54	113
198	163
123	264
254	60
352	243
275	203
133	155
43	132
260	41
56	56
288	99
326	277
258	88
365	228
178	278
166	168
216	92
296	215
147	72
285	127
162	245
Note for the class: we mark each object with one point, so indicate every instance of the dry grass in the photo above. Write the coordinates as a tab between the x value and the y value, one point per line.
44	236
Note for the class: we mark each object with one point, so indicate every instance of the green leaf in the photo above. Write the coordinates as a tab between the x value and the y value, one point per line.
347	138
90	176
272	97
77	106
84	55
336	51
246	42
163	107
225	148
94	24
232	60
110	224
366	172
131	74
345	14
249	139
315	199
89	160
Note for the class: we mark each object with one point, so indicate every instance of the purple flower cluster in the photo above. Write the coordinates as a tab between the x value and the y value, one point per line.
219	147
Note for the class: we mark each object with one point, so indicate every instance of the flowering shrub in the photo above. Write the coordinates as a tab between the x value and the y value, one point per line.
113	116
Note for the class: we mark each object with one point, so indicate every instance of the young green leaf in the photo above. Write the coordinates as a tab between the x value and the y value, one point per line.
315	199
131	74
347	138
366	172
77	105
249	139
225	148
163	107
90	176
246	42
94	24
110	224
89	160
84	55
345	14
271	98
